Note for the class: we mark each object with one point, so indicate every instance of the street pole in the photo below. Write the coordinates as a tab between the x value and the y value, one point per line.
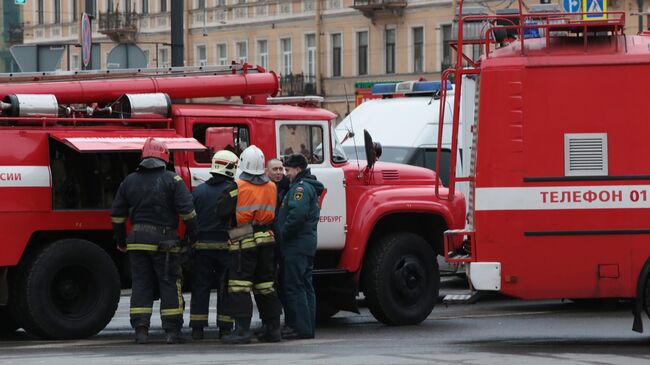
177	33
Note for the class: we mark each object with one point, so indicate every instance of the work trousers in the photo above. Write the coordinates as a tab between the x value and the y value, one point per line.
252	270
148	271
209	268
299	298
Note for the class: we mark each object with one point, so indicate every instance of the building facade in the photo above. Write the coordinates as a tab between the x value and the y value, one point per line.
317	46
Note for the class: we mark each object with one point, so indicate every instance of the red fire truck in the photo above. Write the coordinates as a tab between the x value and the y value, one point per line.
68	142
560	186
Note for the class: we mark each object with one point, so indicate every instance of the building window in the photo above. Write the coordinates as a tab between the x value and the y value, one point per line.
336	54
109	6
418	49
308	5
263	53
145	6
57	11
447	51
222	54
128	6
74	15
199	4
201	55
362	53
163	57
221	2
310	54
285	49
163	6
39	12
390	51
242	52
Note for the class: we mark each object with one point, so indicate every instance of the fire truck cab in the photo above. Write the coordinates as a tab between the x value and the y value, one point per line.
67	145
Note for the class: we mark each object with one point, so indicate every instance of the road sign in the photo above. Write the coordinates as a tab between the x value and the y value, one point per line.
86	40
598	7
572	6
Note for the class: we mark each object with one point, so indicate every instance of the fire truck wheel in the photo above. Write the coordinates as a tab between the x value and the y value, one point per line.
72	289
401	279
7	323
18	307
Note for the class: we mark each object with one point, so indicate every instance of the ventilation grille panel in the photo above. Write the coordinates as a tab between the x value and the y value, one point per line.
585	154
390	174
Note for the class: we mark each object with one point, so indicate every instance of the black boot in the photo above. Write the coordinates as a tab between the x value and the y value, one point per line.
224	331
173	336
242	333
271	331
197	333
141	335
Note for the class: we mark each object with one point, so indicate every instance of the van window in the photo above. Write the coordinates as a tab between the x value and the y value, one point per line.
426	157
303	139
216	137
87	180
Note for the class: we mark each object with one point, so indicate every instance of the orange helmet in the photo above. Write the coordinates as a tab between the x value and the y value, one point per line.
157	149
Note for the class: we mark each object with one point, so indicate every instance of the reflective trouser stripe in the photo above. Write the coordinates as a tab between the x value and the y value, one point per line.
118	220
142	247
242	245
198	317
181	304
239	286
140	310
265	288
225	318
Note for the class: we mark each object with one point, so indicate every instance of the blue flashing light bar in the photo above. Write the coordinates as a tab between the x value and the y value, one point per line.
409	87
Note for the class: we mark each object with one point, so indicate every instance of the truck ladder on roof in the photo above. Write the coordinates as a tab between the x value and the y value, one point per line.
19	77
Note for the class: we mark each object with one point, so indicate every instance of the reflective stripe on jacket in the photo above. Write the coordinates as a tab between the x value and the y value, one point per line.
256	203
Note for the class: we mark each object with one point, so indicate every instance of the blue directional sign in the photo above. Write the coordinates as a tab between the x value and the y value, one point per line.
572	6
596	7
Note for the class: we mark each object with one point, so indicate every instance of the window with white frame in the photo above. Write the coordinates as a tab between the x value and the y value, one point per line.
57	11
308	5
285	7
242	51
162	6
389	46
263	53
310	55
201	55
285	51
40	12
163	57
362	52
145	7
335	40
418	49
221	2
199	4
222	54
73	11
447	50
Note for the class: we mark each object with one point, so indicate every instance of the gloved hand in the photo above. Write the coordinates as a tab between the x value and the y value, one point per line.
119	235
121	246
191	232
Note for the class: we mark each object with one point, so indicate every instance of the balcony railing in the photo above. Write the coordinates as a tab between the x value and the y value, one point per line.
297	85
370	8
121	27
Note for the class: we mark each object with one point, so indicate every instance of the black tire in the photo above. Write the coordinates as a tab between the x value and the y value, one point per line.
72	290
401	279
18	307
7	323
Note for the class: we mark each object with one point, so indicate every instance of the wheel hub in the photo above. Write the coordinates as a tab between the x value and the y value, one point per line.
409	278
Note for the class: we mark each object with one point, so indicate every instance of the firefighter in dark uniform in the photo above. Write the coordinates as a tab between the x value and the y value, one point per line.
298	220
215	203
252	246
154	198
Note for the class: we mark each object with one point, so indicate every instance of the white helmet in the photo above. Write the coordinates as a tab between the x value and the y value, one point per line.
224	163
252	161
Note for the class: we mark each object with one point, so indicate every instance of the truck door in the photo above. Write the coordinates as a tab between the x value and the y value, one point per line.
314	140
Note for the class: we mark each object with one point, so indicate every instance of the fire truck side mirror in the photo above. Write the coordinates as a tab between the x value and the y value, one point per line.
220	138
373	149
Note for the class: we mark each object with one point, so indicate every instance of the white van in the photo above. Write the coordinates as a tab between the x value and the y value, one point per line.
407	127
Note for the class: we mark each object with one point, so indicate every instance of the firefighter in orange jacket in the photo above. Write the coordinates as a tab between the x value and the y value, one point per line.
252	245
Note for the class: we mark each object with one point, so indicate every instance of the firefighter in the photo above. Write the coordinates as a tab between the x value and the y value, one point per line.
252	247
215	201
154	198
298	220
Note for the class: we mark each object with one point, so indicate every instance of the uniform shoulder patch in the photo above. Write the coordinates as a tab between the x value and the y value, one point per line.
300	189
177	178
297	195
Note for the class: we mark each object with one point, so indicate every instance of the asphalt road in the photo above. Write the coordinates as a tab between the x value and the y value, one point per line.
495	330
